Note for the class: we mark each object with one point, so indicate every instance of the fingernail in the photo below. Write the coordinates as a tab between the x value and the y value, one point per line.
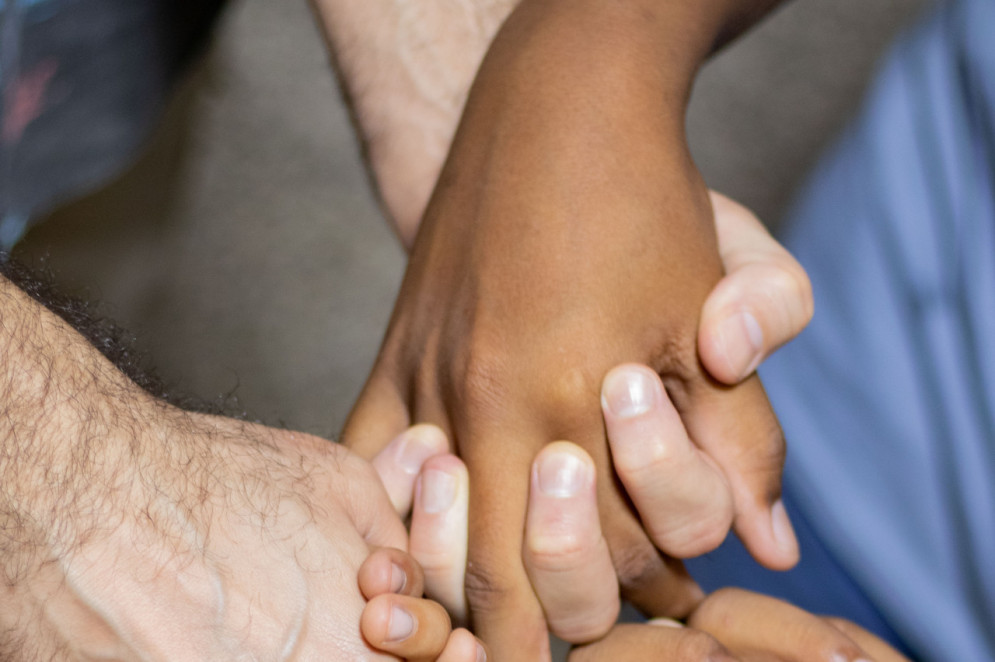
561	475
841	657
398	578
742	357
784	534
412	452
481	654
629	392
438	491
665	622
402	624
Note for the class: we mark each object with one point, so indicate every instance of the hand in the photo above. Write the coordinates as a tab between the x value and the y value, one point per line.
406	69
526	286
514	256
227	540
573	571
133	530
398	620
677	489
735	625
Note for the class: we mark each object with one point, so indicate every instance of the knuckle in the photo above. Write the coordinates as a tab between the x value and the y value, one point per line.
570	392
558	552
573	389
679	368
479	380
717	609
637	566
582	626
644	462
697	535
485	591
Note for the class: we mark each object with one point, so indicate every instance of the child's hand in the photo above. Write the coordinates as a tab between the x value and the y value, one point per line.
398	620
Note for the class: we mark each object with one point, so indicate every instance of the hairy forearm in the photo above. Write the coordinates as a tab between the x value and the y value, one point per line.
61	434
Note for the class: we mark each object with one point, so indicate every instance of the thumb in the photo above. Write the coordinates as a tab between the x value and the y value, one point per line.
400	462
764	300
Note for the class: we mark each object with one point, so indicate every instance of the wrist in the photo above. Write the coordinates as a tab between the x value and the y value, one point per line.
405	69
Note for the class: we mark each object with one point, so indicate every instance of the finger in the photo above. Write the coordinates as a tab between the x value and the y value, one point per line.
682	497
438	537
745	621
504	610
654	583
411	628
652	643
378	416
463	647
764	300
389	570
399	463
347	477
565	554
878	648
737	428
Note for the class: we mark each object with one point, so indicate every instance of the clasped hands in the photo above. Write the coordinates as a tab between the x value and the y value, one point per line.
679	492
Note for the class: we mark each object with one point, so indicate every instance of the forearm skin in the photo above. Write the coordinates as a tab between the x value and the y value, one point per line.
406	68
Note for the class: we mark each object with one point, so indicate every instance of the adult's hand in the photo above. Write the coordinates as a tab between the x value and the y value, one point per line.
565	546
133	530
572	567
739	626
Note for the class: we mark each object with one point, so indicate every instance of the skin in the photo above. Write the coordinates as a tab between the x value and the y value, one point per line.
431	636
136	531
561	241
565	546
135	507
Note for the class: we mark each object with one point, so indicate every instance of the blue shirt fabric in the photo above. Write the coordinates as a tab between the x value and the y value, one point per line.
888	398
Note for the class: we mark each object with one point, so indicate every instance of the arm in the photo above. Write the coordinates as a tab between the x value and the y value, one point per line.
406	72
133	530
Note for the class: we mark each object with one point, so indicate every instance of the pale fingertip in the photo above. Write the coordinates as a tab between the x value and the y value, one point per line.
438	538
629	391
437	491
665	622
401	625
416	445
739	341
562	475
400	461
784	533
